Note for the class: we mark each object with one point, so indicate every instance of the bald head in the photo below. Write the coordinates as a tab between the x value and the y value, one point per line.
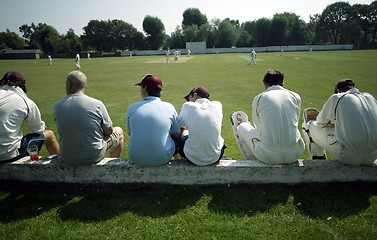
76	81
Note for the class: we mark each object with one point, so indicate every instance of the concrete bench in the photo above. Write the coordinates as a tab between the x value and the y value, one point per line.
181	172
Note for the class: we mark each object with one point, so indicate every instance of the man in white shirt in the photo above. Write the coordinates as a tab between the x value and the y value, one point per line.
15	109
77	61
346	126
253	59
274	138
201	121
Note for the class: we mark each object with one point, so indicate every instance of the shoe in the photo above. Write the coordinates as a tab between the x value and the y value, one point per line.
310	114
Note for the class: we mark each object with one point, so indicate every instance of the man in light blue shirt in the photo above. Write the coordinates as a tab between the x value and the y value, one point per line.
152	125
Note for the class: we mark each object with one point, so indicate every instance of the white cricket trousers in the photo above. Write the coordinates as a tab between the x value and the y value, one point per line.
266	153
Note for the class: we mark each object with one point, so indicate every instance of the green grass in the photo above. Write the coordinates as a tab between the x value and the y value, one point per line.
331	211
328	211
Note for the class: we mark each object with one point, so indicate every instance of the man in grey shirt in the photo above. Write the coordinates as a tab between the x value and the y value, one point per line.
84	125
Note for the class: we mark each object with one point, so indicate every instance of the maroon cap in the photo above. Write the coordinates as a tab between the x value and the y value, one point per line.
151	82
344	85
201	91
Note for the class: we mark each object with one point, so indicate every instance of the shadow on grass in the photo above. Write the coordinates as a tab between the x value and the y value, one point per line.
144	200
100	203
19	202
247	199
338	199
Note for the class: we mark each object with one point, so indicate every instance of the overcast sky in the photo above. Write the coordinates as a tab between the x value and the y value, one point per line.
75	14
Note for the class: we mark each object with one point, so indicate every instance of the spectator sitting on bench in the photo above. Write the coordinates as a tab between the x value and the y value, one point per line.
274	138
200	120
346	126
15	109
152	125
84	125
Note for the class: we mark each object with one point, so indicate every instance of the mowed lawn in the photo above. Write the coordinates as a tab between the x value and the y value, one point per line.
310	211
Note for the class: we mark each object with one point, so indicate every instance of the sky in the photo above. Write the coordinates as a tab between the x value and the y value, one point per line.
76	14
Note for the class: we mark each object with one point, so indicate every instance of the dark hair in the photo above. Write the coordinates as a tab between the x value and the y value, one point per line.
273	77
155	92
14	79
344	85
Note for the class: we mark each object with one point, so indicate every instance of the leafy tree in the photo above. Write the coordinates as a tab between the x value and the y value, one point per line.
244	39
333	22
71	43
279	30
361	15
205	32
193	16
28	33
248	26
296	34
191	33
138	41
310	28
177	39
262	32
373	16
155	30
96	35
228	34
123	35
47	37
11	40
112	35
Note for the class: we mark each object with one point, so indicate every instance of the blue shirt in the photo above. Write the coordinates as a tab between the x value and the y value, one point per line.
151	123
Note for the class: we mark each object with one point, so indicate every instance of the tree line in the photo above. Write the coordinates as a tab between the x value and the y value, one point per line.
339	23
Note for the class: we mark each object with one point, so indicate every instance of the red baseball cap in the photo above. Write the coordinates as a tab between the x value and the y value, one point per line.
201	91
150	81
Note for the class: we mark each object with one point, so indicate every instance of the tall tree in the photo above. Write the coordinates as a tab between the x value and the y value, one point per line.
228	34
333	22
155	30
279	30
123	35
310	28
373	16
191	33
193	16
262	32
47	38
28	33
177	39
96	35
71	43
362	16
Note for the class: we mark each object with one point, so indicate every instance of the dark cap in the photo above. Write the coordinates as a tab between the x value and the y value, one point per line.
201	91
151	82
344	85
14	79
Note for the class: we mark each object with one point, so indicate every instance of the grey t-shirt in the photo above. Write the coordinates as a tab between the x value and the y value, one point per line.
80	120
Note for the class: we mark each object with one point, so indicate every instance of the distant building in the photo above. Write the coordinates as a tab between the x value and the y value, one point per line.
21	54
197	47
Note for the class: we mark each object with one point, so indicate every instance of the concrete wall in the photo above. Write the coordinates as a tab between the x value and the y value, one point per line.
182	172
